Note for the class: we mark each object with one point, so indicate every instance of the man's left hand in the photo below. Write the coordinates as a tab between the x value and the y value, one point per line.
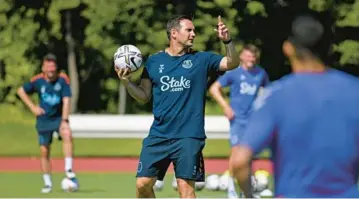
222	30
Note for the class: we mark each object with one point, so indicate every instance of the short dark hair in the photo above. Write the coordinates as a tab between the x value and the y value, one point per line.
306	36
50	57
251	48
174	22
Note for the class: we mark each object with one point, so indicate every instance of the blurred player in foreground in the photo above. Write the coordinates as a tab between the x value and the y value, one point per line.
311	119
244	82
177	78
52	114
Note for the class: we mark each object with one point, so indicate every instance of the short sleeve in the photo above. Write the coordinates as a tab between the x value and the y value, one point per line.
261	127
144	74
225	80
29	87
66	90
265	80
213	61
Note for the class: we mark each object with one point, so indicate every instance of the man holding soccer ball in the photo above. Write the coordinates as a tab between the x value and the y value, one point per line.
177	78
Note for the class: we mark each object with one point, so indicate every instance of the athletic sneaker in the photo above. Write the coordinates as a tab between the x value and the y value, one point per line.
46	189
70	174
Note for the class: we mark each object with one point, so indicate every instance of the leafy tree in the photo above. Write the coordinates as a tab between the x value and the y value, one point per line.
18	31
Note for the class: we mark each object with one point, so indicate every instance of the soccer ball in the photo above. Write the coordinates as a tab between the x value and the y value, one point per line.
267	193
128	56
223	181
69	184
199	185
158	185
212	182
261	178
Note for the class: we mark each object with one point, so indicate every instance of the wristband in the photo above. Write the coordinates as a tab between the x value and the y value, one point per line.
227	42
65	120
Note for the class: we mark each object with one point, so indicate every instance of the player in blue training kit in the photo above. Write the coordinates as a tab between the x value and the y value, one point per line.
52	114
177	79
245	83
311	119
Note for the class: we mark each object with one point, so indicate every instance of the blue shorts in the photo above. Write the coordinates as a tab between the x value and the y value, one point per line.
45	137
46	128
185	154
237	128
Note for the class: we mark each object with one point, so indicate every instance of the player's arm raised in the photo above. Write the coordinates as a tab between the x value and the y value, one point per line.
142	92
231	60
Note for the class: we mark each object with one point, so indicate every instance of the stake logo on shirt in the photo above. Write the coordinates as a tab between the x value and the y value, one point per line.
249	89
174	85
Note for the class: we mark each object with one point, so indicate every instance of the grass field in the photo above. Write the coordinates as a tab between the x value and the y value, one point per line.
92	185
20	139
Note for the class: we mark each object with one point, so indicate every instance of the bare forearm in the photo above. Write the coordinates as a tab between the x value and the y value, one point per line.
232	57
25	98
217	95
66	107
137	92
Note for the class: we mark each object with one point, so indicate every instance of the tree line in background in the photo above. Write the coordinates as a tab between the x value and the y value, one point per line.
84	34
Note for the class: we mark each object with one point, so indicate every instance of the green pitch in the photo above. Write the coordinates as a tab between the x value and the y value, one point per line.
20	139
92	185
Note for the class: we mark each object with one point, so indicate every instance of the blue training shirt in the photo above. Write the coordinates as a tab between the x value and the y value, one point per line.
312	122
179	85
244	85
50	96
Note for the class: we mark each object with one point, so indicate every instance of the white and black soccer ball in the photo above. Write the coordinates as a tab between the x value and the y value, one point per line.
260	180
212	182
199	185
128	56
223	182
69	184
158	185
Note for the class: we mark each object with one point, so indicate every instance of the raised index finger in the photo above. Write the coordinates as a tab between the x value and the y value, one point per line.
219	19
